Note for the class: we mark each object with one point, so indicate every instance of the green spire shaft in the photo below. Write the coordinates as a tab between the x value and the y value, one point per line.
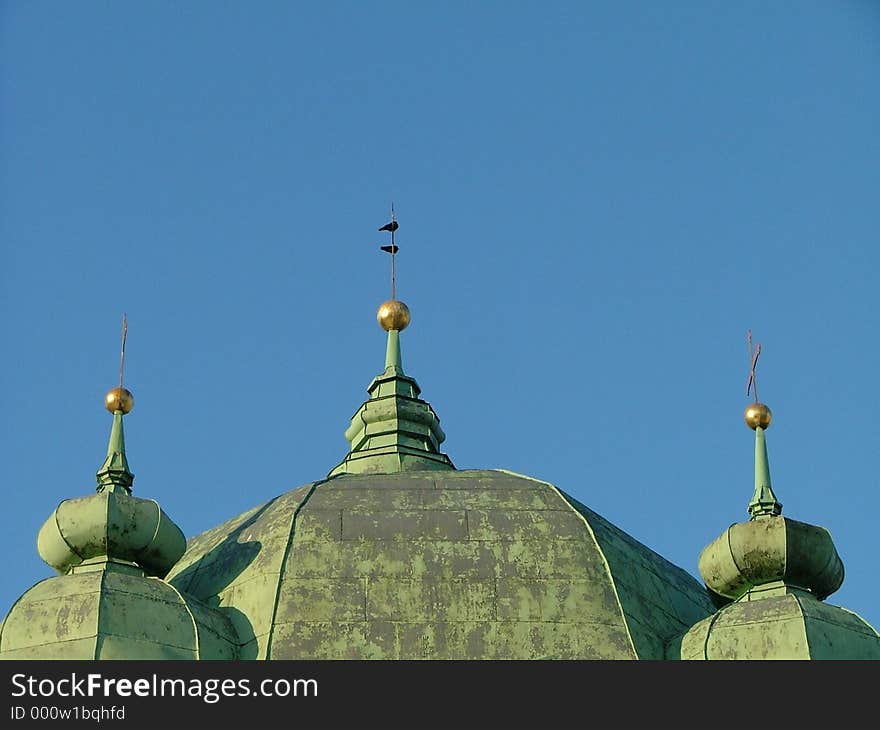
114	472
392	353
763	502
117	436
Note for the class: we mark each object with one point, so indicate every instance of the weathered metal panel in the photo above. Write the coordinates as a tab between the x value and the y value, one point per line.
72	649
836	633
250	544
508	525
390	498
322	599
319	524
646	643
125	647
59	609
529	639
137	615
436	600
403	525
249	605
334	640
438	565
217	638
570	600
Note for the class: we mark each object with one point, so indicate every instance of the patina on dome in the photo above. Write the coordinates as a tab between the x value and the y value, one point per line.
754	553
110	526
451	564
771	575
109	601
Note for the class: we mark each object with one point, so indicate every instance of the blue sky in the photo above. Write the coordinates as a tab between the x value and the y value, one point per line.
597	200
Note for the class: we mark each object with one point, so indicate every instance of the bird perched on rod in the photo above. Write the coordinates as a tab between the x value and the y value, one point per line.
391	226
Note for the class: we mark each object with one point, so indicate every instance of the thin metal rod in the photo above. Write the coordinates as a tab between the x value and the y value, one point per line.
753	362
393	254
122	356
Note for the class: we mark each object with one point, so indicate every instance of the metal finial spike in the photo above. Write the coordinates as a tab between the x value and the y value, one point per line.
122	356
753	361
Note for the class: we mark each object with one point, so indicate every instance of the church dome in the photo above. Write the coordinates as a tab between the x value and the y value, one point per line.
396	554
472	564
399	555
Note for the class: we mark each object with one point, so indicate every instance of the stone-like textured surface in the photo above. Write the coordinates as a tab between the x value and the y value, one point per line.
749	554
105	614
792	625
437	565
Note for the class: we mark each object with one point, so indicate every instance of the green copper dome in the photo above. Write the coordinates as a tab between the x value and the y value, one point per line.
466	564
113	613
775	572
396	554
111	526
109	601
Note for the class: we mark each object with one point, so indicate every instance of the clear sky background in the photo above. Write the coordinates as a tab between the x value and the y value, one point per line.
596	201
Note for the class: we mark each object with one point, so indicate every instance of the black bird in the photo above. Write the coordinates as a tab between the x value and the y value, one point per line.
390	249
392	226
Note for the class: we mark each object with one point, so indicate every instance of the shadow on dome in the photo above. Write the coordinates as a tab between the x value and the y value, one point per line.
211	572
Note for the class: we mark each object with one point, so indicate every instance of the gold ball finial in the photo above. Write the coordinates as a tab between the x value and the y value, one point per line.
119	399
757	414
393	315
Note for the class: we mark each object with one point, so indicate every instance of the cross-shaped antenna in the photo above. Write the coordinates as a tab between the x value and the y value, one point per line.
392	249
753	358
122	356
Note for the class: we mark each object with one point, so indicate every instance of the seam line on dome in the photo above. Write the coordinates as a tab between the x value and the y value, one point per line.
152	541
601	554
803	622
287	548
66	541
106	536
12	608
730	551
712	621
100	602
191	617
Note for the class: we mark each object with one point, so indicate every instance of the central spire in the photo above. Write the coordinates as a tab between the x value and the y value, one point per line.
394	430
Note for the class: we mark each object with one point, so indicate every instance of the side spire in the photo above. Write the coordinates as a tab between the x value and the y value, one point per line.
757	417
769	555
111	529
114	472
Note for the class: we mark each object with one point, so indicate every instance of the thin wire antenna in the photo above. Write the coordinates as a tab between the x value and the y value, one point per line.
391	226
753	362
393	255
122	356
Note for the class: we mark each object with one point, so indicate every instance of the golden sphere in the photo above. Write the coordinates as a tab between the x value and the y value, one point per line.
393	315
757	414
119	399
